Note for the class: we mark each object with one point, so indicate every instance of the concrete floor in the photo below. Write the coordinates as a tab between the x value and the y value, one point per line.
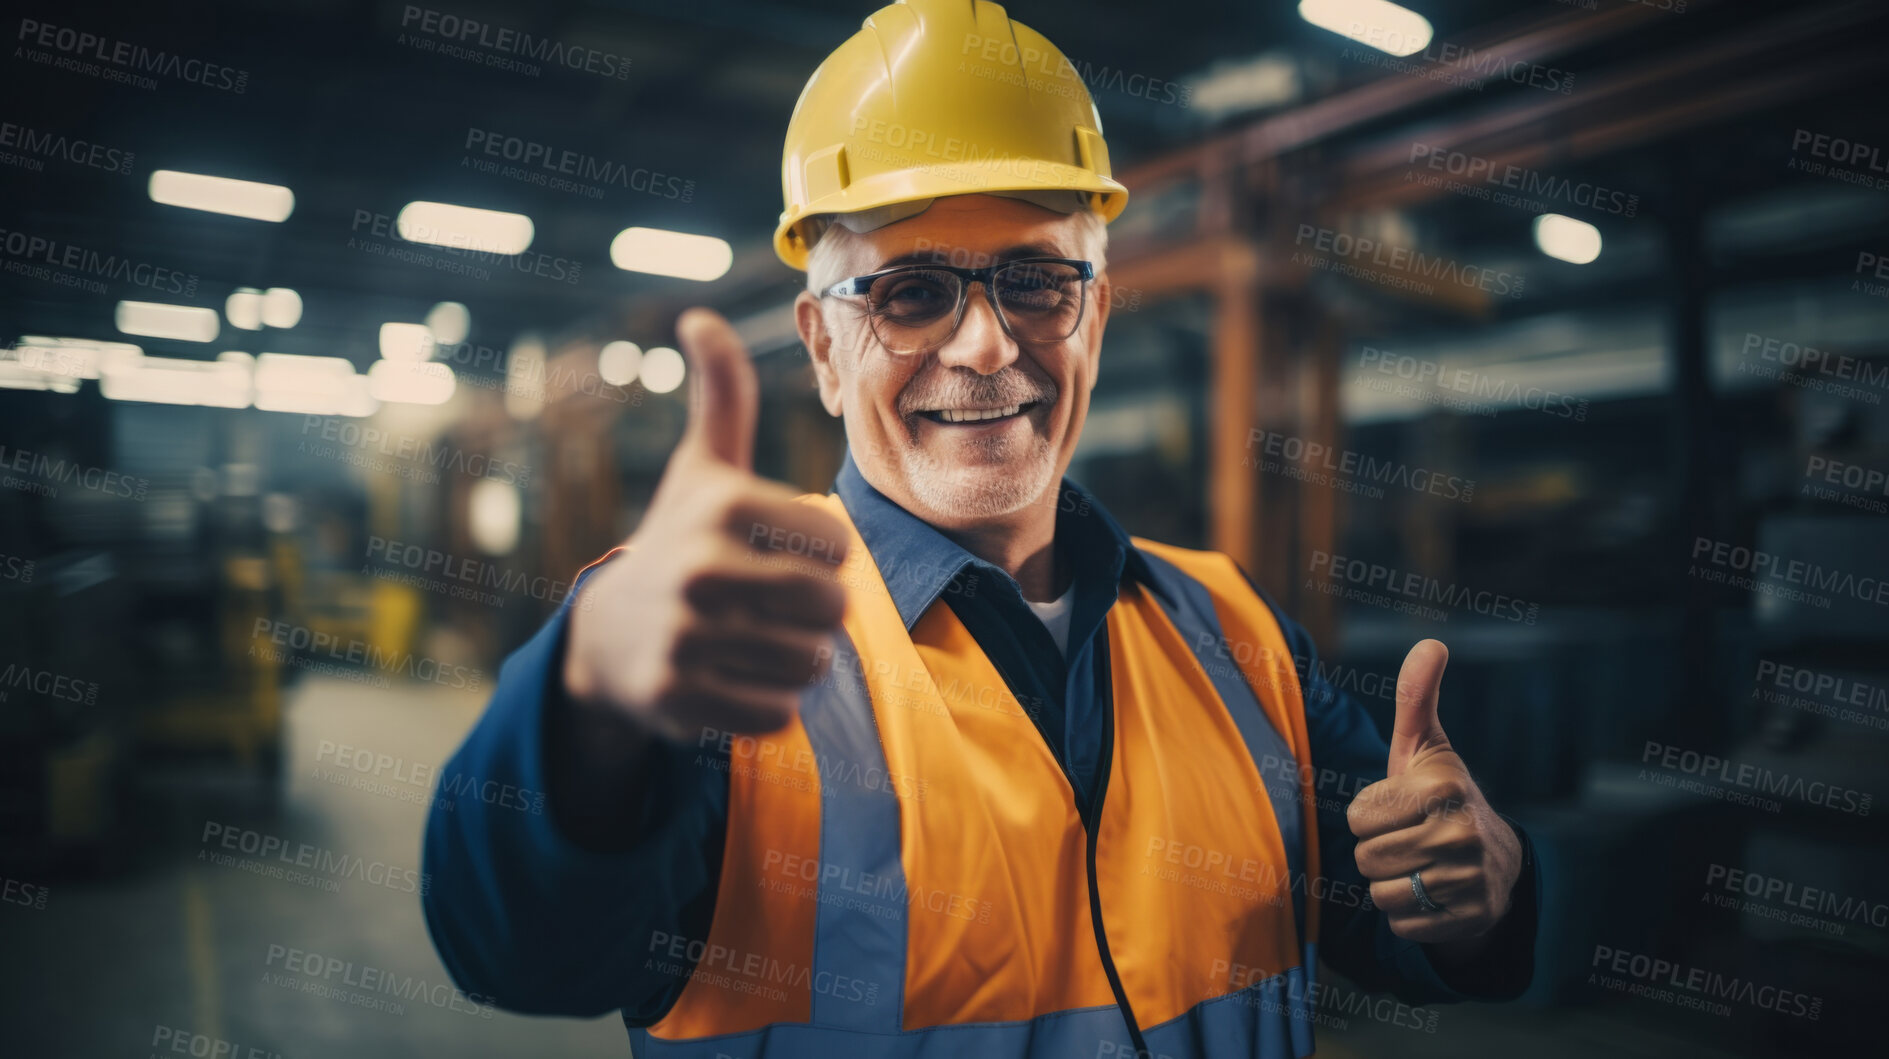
178	944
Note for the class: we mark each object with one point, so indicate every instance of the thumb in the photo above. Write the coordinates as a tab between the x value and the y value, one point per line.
1418	684
724	397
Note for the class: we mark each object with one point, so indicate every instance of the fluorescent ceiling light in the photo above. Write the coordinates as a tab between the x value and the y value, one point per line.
243	309
358	400
1377	23
74	358
15	377
465	227
281	307
662	370
1567	239
665	253
185	323
617	362
405	341
283	371
287	382
44	363
172	380
406	382
450	323
238	198
1242	85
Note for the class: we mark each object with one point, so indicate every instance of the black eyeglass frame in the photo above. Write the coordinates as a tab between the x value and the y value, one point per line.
858	286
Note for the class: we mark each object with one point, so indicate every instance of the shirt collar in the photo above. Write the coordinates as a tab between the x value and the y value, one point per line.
918	563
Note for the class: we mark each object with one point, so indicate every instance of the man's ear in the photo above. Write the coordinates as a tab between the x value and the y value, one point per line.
811	323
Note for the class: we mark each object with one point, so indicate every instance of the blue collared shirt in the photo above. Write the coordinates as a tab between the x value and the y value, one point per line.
525	918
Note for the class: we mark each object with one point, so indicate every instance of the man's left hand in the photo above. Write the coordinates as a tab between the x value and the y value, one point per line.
1429	817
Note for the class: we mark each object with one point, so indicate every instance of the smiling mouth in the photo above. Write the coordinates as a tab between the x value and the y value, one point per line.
976	415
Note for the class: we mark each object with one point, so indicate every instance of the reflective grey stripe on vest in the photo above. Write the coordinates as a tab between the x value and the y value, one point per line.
858	980
1269	1020
1190	607
1082	1034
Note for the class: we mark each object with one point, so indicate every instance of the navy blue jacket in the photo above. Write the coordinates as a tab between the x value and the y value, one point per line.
522	914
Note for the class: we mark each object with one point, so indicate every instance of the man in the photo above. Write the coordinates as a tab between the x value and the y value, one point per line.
946	763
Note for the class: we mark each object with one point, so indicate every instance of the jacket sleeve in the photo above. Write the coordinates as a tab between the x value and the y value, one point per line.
1348	755
524	918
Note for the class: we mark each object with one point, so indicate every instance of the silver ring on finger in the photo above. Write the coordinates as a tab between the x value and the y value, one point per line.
1423	899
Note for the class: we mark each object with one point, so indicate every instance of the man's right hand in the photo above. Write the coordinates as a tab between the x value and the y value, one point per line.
722	606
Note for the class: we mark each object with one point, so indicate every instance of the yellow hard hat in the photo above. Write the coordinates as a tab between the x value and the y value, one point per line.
933	98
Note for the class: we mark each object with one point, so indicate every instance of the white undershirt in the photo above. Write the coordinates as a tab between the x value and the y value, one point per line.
1055	616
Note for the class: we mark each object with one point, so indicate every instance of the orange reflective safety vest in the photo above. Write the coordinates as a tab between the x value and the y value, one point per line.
908	873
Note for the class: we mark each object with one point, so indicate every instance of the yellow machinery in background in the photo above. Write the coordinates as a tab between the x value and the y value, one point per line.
338	598
239	707
267	604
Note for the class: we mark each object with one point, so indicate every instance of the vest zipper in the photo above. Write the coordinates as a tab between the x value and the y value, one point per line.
1091	814
1091	823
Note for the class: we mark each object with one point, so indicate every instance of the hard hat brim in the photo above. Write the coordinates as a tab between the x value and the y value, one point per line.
935	180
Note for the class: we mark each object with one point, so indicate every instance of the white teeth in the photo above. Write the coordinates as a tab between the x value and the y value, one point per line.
952	415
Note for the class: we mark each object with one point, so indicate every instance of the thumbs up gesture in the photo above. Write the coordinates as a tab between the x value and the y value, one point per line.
1429	819
723	605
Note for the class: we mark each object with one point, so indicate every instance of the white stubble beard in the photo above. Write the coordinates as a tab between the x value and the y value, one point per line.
988	489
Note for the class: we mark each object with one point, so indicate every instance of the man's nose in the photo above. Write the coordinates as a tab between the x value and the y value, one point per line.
980	343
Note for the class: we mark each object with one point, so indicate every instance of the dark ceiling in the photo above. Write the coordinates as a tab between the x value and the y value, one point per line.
354	107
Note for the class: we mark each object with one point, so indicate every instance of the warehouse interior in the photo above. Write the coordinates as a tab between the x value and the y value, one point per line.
1574	309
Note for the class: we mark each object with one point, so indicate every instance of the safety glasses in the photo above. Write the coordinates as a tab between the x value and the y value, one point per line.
915	309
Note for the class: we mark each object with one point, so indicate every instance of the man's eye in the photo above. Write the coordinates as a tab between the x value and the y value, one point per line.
914	294
910	295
